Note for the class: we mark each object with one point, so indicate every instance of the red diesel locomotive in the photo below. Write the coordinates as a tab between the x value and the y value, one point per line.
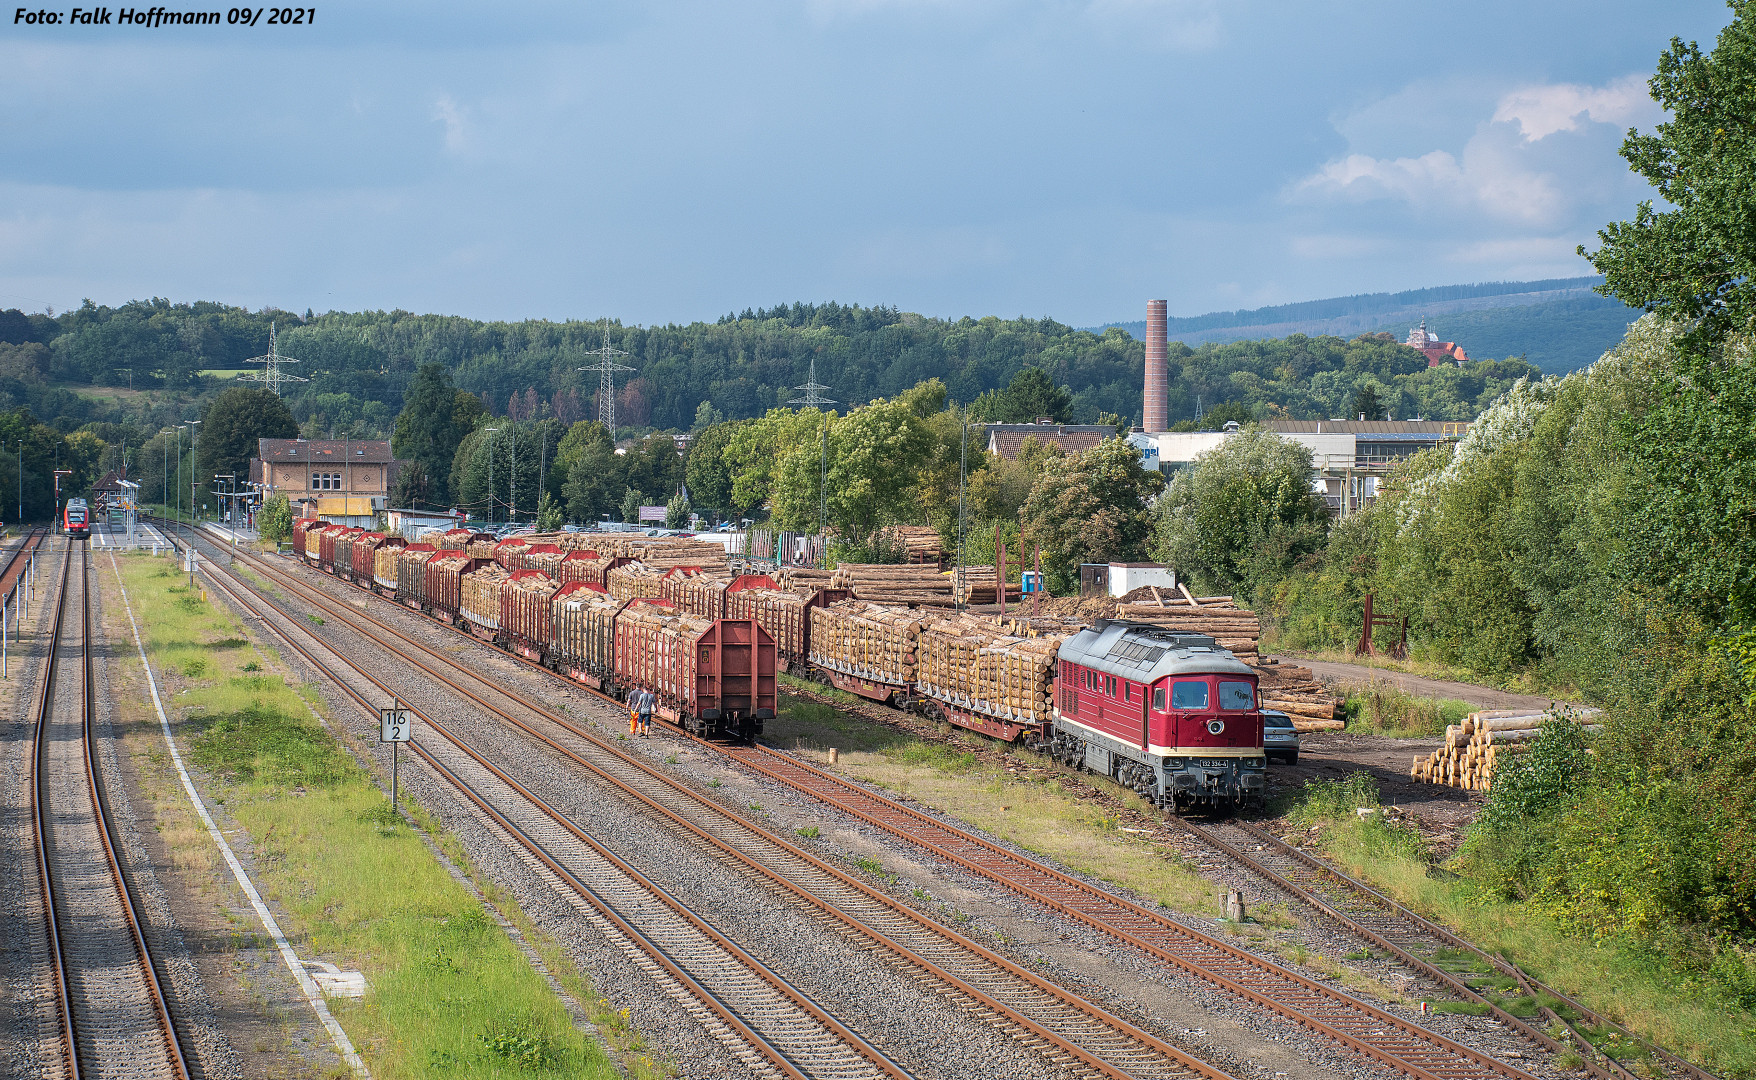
1170	715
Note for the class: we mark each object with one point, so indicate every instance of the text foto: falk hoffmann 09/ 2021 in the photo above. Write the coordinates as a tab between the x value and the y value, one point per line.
158	16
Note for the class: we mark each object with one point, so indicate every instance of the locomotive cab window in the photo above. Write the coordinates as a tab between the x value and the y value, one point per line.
1236	695
1158	698
1188	694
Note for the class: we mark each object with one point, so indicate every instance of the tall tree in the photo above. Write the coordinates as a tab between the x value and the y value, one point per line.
710	483
435	418
596	475
1243	515
238	416
1697	259
1090	507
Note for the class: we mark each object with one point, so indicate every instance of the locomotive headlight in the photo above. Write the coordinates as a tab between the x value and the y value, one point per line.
1216	727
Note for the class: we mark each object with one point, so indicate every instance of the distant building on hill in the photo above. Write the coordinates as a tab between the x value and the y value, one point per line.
1437	352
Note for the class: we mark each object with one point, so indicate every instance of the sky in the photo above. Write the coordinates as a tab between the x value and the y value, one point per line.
669	162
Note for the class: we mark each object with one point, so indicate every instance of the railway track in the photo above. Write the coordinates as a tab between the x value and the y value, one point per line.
1413	941
1066	1029
1374	1033
111	1007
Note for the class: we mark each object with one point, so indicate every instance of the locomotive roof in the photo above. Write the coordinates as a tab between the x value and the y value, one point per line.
1146	653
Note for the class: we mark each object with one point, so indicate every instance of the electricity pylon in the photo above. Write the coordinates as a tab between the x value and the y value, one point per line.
814	397
271	375
606	367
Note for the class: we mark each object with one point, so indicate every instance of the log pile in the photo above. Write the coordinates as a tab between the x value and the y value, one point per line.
795	577
920	544
978	587
1483	742
662	552
894	584
970	662
868	640
1298	693
635	581
696	591
1235	628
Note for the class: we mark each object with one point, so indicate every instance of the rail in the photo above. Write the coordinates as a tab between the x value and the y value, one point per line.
54	890
1357	1025
1105	1044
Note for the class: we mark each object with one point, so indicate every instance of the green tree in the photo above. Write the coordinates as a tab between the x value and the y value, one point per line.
760	449
632	501
677	512
274	522
710	482
435	418
1240	518
1367	404
549	514
1090	507
413	488
1030	395
706	416
237	417
596	475
1696	260
876	454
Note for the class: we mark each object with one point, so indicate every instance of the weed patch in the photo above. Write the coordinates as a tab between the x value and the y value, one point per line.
1383	708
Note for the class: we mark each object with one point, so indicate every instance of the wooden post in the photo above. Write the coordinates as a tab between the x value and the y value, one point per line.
1364	648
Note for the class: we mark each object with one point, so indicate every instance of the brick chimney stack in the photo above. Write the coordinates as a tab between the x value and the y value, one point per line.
1154	416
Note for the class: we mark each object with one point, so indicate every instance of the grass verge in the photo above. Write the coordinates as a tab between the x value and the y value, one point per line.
450	994
1381	708
1043	816
1619	980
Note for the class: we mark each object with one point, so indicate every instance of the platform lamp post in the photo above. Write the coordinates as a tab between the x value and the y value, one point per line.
194	449
165	479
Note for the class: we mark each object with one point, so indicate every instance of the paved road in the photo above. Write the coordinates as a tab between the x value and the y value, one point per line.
1486	697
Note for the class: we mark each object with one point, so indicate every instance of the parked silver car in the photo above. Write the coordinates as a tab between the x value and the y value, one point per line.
1280	740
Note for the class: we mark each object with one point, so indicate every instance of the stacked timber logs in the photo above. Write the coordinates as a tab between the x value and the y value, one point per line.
481	596
694	591
968	661
635	581
866	640
1475	748
1233	627
978	587
920	543
795	577
662	552
895	584
1298	693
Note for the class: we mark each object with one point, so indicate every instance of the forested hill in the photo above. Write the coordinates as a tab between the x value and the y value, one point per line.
1558	324
684	376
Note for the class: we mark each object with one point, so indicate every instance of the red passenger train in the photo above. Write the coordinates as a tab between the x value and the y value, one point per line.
76	518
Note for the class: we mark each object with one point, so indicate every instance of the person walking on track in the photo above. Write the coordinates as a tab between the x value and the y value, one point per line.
647	700
634	711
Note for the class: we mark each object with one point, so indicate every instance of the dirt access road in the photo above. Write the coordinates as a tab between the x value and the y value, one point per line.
1486	697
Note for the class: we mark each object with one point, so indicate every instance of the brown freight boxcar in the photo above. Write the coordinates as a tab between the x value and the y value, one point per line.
524	612
384	562
694	592
481	599
784	613
582	618
590	566
411	574
444	584
712	677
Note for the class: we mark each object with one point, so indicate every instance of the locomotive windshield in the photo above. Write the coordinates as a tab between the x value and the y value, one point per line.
1188	694
1236	695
